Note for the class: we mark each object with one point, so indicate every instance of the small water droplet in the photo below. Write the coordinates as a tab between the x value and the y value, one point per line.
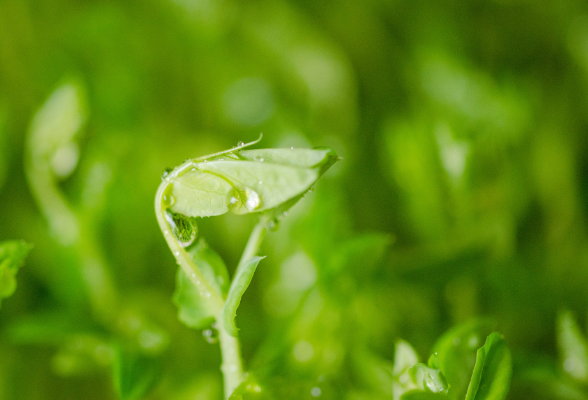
233	200
165	173
239	144
261	182
207	295
285	213
311	189
210	335
292	148
273	224
176	253
198	282
166	232
316	391
183	228
261	159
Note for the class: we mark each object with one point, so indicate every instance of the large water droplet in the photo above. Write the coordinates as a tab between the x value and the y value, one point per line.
210	335
253	200
183	228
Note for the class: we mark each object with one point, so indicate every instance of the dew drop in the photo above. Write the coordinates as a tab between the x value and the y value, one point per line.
285	213
261	182
261	159
176	253
233	200
253	200
273	225
183	228
239	144
207	295
210	335
165	173
292	148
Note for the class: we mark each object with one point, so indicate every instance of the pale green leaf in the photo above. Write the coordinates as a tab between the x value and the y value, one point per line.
200	194
404	358
493	371
573	348
12	255
240	283
262	186
477	374
308	158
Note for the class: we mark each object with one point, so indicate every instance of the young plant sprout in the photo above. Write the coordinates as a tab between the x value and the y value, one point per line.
266	182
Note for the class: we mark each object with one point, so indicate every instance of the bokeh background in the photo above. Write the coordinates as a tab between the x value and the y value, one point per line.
462	191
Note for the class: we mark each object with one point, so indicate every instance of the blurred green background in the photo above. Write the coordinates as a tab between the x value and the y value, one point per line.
462	191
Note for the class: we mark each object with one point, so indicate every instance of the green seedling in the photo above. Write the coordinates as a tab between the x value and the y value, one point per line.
265	182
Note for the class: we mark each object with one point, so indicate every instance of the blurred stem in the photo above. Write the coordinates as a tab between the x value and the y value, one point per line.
72	231
232	364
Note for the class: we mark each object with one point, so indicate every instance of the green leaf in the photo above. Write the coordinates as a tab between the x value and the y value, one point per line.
456	353
404	358
307	158
573	348
240	284
200	194
211	266
492	372
12	255
282	388
192	310
134	374
261	186
428	379
361	253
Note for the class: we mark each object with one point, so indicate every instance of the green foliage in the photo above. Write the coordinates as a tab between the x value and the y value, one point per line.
12	256
239	285
573	348
492	372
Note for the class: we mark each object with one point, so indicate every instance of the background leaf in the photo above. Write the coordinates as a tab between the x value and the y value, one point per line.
12	256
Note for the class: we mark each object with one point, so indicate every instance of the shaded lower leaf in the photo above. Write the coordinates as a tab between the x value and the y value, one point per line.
211	265
134	374
192	310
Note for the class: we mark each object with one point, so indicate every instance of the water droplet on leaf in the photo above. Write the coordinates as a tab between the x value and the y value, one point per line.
273	224
253	200
183	228
165	173
239	144
210	335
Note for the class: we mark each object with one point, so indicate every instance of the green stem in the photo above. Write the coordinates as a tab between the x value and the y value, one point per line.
209	294
232	365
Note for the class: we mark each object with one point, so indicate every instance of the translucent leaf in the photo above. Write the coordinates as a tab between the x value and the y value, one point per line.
134	375
456	353
12	255
240	283
262	186
573	348
404	358
492	372
428	379
200	194
55	126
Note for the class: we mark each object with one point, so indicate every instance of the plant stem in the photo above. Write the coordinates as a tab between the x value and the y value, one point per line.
232	365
